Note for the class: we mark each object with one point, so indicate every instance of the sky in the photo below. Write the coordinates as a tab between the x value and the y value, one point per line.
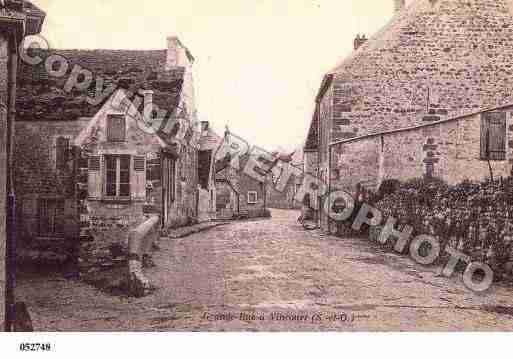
259	63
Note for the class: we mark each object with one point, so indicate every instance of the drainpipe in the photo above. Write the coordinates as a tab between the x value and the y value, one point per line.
10	267
163	193
329	180
75	155
317	200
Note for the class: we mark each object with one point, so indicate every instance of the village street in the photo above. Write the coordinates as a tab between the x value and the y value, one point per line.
267	266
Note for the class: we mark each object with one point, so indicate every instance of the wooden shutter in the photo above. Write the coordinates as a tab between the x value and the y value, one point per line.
493	136
43	216
139	178
61	152
95	177
116	128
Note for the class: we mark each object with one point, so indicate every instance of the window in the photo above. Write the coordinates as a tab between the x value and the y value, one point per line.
51	217
493	136
62	145
117	177
116	128
252	197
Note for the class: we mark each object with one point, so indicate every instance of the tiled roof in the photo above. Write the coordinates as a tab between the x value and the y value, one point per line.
23	11
42	97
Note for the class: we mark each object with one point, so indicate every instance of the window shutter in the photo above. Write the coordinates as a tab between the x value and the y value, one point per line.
95	177
493	136
498	136
139	178
61	152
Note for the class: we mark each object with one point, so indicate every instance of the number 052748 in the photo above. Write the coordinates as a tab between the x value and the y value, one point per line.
35	347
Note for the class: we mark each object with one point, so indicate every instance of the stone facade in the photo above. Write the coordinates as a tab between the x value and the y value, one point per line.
431	53
45	176
434	61
17	19
237	194
449	150
123	174
286	198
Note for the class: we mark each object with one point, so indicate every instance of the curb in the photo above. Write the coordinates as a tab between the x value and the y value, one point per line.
185	233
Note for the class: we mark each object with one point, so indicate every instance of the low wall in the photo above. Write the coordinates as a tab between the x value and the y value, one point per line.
449	150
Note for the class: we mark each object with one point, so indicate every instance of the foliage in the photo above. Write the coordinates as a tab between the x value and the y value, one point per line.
476	218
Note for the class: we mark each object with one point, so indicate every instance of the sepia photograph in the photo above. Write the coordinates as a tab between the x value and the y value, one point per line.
299	166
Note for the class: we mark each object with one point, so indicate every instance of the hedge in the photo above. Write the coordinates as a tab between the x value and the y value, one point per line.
474	217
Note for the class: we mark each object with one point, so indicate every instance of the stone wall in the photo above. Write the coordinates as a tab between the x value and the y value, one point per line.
285	199
450	151
38	177
230	183
246	185
356	163
3	166
183	210
439	53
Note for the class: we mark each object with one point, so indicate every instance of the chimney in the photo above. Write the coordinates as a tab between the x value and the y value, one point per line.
177	54
359	41
398	5
204	126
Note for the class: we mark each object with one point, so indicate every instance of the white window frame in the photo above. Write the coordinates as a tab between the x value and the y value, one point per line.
118	178
255	194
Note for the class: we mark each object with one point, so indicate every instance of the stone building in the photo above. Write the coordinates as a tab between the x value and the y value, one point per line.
285	199
209	143
17	19
238	194
106	164
427	95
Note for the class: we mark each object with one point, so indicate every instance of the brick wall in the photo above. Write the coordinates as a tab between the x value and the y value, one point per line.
3	166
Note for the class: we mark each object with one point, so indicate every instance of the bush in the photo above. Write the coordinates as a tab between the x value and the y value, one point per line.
475	217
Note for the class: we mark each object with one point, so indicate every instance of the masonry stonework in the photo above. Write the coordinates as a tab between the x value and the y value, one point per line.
450	151
439	53
434	61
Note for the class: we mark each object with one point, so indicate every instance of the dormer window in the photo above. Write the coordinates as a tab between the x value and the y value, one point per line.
116	128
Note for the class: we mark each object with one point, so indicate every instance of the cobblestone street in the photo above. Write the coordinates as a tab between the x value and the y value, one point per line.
271	266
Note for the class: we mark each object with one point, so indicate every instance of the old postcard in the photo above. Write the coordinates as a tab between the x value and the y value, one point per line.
244	166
